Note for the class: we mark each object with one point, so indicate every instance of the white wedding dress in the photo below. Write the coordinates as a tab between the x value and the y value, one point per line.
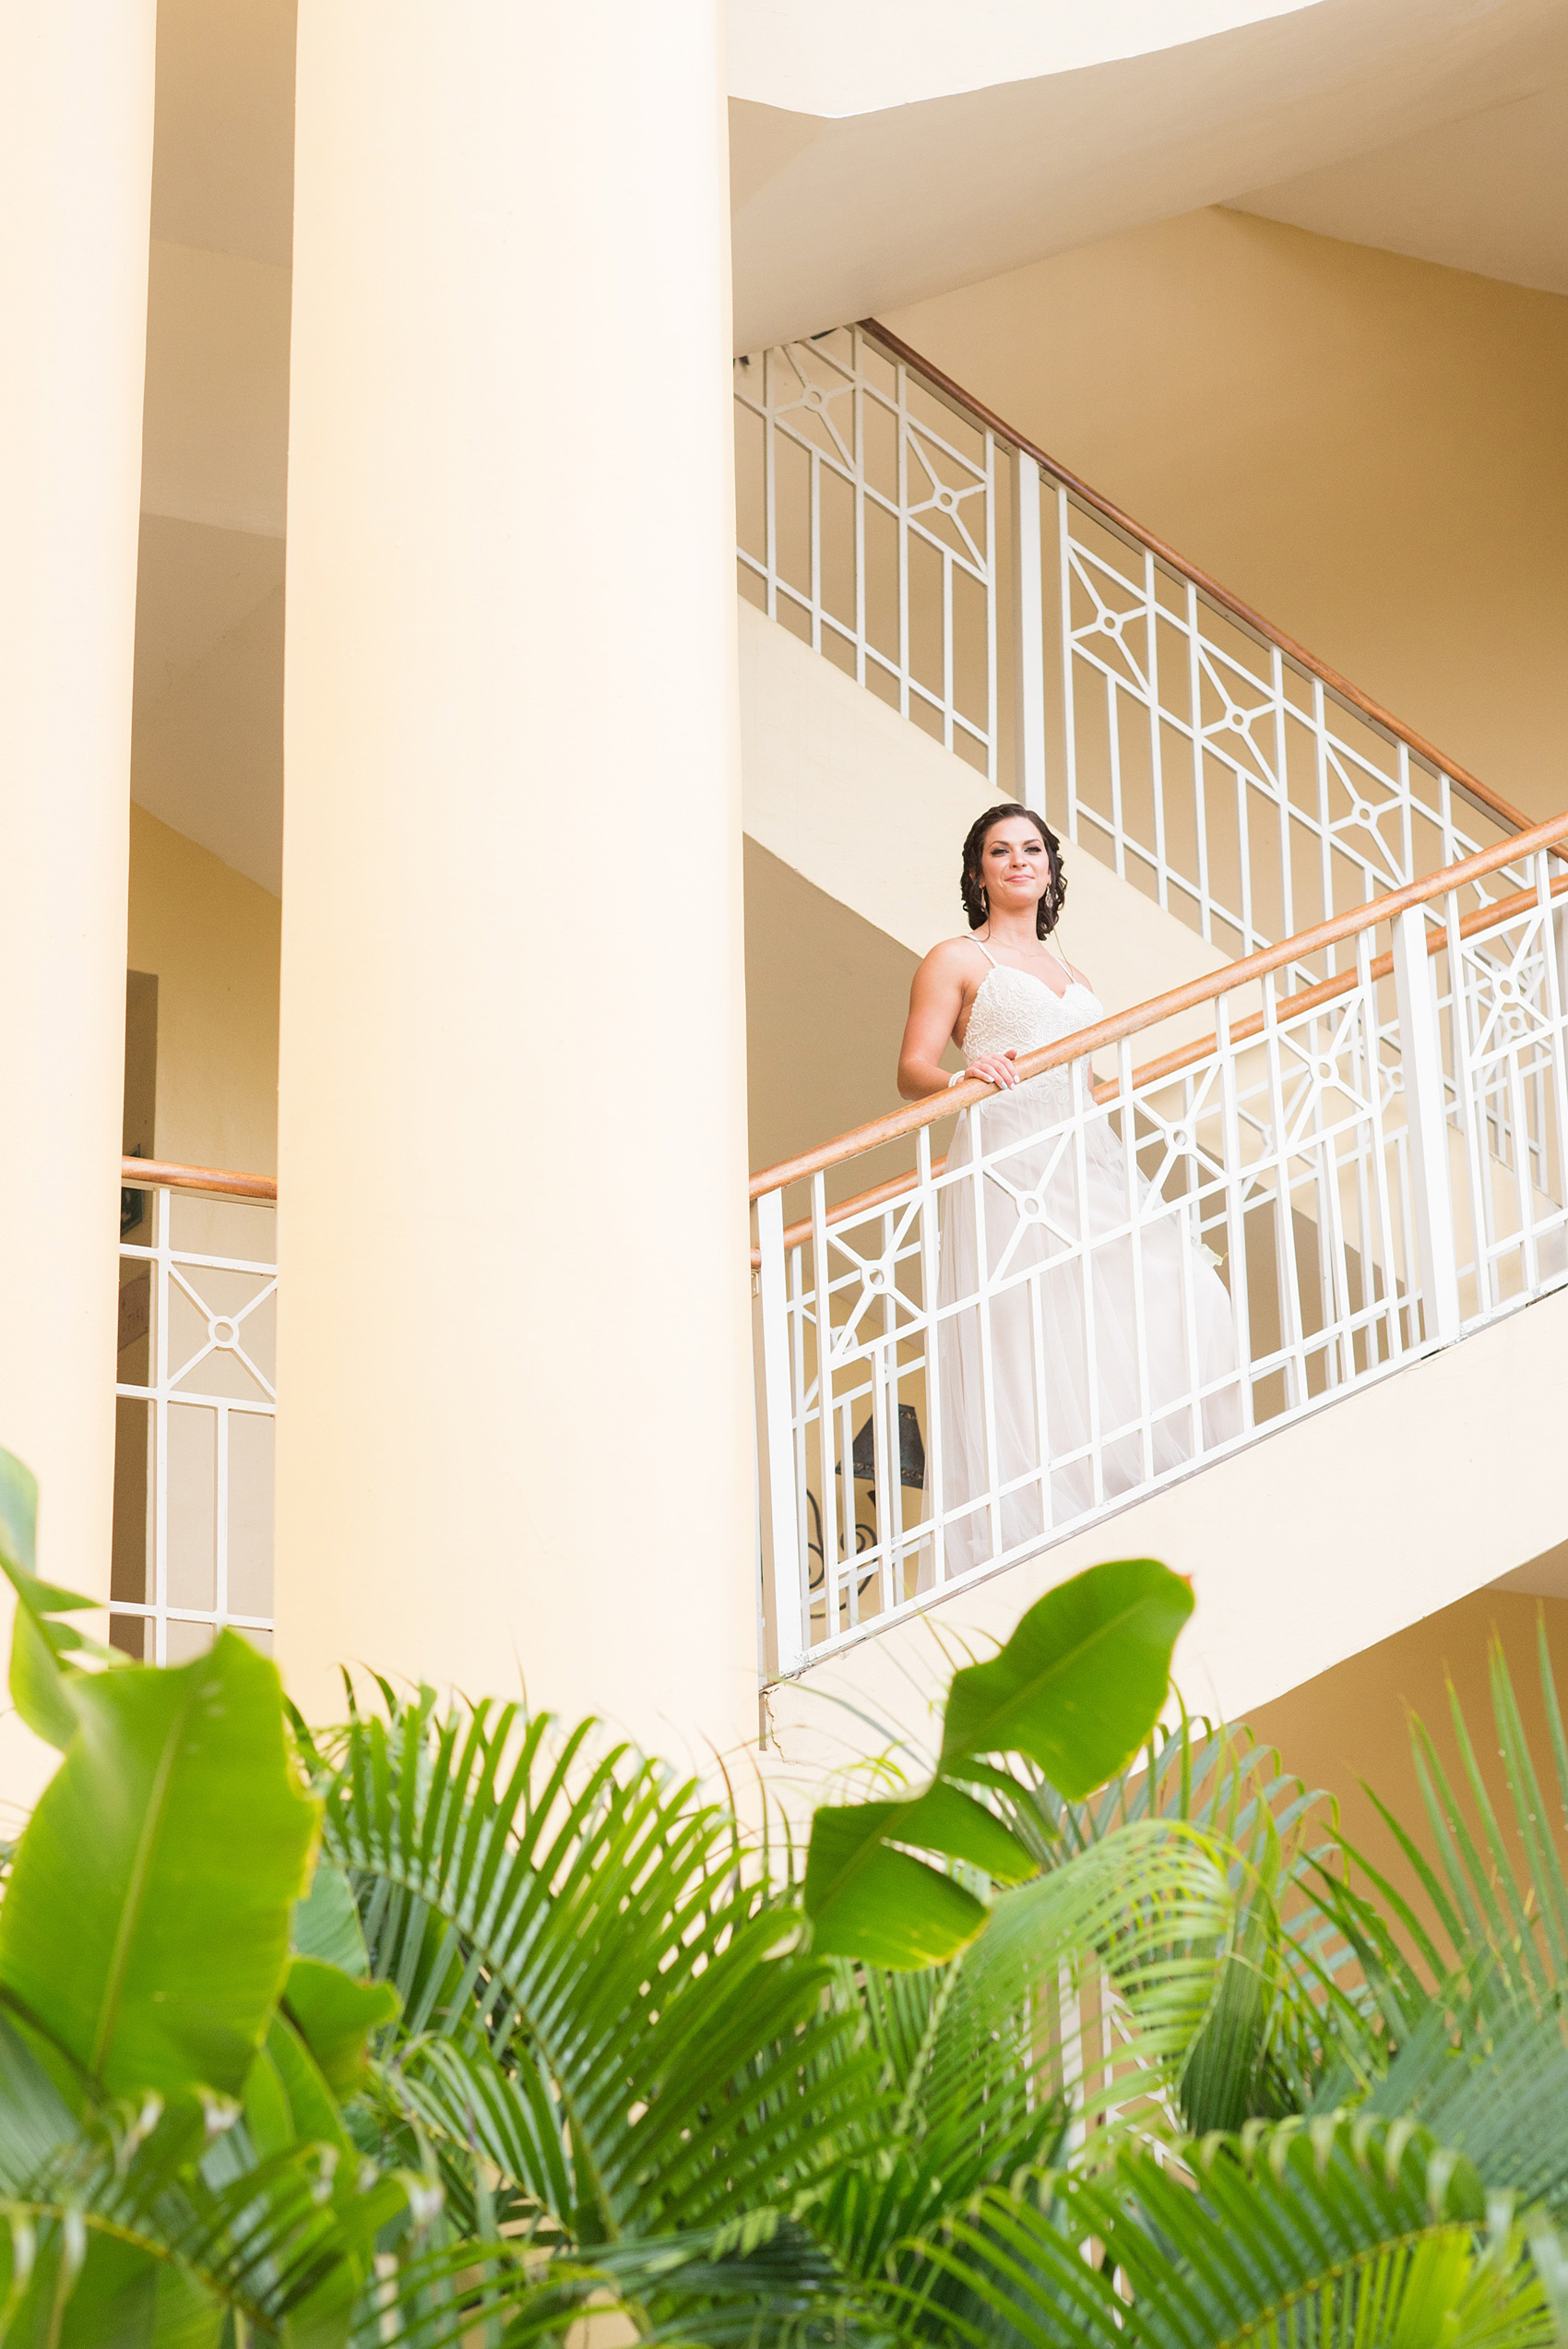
1059	1332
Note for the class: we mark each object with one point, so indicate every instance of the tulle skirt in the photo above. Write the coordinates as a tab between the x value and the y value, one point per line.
1103	1352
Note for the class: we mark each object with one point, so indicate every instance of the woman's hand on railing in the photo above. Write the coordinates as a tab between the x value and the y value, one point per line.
996	1067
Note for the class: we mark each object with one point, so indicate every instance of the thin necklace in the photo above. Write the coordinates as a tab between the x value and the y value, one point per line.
1044	955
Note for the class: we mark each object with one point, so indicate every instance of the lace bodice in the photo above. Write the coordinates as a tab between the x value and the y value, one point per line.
1015	1012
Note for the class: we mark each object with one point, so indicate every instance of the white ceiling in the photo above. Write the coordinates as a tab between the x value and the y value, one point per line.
838	216
1488	192
838	57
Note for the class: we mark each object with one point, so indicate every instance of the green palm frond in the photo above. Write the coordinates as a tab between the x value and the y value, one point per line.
1141	1913
1285	1999
1487	2075
1466	1972
1492	1886
1361	2234
494	2134
766	2280
580	1915
145	2228
989	2060
115	2220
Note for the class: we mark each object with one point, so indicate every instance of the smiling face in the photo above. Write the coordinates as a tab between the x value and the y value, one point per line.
1015	865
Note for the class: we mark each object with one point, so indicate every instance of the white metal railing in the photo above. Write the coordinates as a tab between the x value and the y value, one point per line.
1156	722
197	1405
867	510
984	1354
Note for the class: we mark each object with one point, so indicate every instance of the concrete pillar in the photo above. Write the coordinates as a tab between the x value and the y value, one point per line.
75	179
514	1443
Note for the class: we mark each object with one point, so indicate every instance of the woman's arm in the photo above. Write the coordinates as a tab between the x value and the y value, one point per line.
936	1000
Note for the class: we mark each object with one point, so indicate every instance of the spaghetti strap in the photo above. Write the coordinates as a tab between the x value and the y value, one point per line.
988	954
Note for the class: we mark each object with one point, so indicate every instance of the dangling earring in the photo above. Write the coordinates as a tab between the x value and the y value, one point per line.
985	901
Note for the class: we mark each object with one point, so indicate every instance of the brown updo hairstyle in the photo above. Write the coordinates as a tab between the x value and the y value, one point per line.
1048	912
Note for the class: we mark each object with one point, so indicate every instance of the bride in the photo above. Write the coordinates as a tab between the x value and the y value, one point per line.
1039	1365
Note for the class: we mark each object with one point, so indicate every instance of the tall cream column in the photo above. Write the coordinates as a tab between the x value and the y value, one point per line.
514	1444
76	178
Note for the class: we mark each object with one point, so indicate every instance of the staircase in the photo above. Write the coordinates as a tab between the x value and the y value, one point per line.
1356	1097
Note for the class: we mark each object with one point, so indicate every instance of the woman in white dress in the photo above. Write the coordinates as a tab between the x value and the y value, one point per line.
1045	1403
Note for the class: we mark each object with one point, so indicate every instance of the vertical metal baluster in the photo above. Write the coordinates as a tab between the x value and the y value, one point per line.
161	1437
992	715
1514	1080
770	486
791	1601
1192	1195
1325	835
1470	1108
1114	738
1081	1099
1200	810
1251	939
1291	1339
221	1523
1323	1225
900	1216
1364	1069
1406	836
1371	1049
1445	817
947	687
1028	636
813	542
903	480
1555	949
1156	746
1361	1320
1428	1125
979	1161
844	1498
1065	545
1339	1358
800	1418
822	1261
1282	786
933	1499
1135	1242
858	411
1235	1206
1042	1408
887	1453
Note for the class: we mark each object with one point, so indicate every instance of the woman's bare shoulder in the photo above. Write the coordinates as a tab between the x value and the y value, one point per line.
950	954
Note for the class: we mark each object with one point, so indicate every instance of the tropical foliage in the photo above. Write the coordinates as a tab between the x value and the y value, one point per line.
454	2024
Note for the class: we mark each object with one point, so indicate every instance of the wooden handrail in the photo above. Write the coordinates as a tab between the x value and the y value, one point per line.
1086	1042
1171	1063
1469	783
163	1175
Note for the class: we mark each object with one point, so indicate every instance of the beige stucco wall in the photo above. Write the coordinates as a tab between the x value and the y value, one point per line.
1348	1729
1369	449
211	937
216	439
826	994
